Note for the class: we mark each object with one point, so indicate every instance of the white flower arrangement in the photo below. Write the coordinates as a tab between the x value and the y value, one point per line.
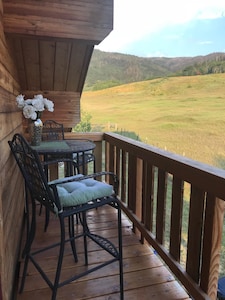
32	108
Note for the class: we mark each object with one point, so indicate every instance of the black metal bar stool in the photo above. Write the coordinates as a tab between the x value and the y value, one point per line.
66	198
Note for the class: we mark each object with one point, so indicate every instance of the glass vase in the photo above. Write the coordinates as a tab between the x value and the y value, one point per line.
35	134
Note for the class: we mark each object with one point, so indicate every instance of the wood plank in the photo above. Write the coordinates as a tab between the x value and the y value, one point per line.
161	205
212	243
75	65
169	290
8	102
132	169
7	80
62	55
30	50
6	55
8	122
94	136
195	225
1	8
8	204
118	162
17	52
176	217
124	177
139	202
210	219
84	20
86	61
47	51
111	162
148	194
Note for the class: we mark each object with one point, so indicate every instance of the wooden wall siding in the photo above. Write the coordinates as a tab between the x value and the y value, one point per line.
11	183
50	64
66	107
71	19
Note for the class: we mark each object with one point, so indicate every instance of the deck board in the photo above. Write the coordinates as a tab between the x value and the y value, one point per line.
145	277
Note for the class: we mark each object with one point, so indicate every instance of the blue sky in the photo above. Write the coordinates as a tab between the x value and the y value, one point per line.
167	28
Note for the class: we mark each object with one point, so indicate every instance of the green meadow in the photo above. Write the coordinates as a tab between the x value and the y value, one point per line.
184	115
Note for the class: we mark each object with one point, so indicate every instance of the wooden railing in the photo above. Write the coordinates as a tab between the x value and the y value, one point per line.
175	204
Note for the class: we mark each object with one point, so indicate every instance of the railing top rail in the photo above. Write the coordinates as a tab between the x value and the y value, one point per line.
94	136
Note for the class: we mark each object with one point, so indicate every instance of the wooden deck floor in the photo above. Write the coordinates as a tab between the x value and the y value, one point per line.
145	277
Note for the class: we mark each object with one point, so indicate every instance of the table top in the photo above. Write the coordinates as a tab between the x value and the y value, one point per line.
64	146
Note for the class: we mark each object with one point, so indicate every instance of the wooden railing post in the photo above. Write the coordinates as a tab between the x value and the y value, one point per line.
139	207
98	156
215	248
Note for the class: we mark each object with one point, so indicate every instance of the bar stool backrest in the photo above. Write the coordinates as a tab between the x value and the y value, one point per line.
32	171
52	130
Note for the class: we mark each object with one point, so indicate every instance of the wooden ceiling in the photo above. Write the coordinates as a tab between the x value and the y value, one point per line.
50	65
52	42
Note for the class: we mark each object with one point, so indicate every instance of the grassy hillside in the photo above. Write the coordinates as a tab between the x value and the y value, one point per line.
111	69
185	115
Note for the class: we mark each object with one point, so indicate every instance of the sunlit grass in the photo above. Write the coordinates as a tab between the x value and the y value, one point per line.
185	115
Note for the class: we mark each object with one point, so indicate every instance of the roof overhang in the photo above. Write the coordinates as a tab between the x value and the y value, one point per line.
89	20
51	42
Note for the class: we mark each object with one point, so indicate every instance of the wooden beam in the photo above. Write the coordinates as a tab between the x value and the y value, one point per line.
73	19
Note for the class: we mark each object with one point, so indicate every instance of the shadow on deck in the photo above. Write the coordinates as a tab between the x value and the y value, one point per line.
145	277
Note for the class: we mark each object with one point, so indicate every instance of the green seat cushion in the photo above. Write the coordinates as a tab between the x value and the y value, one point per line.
80	192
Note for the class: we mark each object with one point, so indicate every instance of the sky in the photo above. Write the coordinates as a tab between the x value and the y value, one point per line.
163	28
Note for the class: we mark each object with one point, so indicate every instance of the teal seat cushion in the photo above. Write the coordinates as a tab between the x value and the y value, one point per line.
80	192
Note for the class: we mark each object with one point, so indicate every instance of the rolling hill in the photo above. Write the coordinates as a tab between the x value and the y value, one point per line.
111	69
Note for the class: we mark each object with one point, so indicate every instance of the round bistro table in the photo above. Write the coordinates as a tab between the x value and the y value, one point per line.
65	149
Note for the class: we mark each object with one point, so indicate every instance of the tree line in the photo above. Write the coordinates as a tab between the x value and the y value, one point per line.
207	67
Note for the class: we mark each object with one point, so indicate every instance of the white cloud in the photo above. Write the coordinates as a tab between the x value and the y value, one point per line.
135	19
